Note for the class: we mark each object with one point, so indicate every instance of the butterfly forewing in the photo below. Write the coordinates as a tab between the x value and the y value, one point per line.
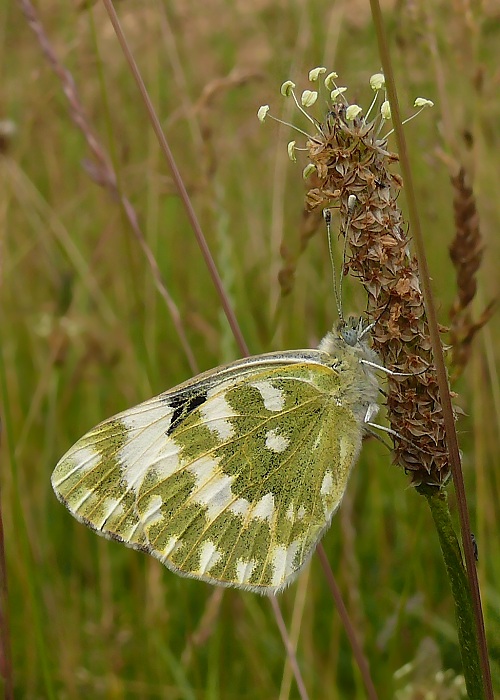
231	478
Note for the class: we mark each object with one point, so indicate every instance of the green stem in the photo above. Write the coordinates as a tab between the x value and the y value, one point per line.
452	555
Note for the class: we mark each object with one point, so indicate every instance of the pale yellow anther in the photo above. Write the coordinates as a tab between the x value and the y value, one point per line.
352	200
330	80
308	98
308	170
287	88
352	112
262	112
385	110
315	73
423	102
377	81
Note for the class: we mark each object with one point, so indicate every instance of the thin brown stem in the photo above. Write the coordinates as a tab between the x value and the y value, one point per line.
193	219
289	648
346	621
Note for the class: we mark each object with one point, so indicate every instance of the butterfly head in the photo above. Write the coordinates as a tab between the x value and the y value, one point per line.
350	339
353	330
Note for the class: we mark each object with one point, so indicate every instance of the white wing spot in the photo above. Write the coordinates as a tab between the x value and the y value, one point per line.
111	506
282	562
244	570
276	442
209	556
301	512
133	533
240	507
326	486
167	461
147	445
85	494
147	414
203	468
215	413
318	440
152	512
263	509
212	488
330	493
274	399
173	544
81	460
290	512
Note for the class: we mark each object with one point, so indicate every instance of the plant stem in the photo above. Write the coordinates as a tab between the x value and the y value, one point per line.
452	555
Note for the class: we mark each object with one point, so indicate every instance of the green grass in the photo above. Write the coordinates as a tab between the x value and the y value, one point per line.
85	334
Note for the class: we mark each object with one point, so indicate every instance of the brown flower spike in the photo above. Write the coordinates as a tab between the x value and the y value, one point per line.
466	252
353	165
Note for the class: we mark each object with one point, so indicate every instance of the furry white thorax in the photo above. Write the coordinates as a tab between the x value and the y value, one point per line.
349	347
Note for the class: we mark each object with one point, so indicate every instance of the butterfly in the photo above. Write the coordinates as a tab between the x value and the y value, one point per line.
233	476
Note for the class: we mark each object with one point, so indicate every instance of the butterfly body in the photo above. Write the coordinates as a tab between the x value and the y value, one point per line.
233	476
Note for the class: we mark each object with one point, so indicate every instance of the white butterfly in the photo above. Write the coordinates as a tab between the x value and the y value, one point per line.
233	476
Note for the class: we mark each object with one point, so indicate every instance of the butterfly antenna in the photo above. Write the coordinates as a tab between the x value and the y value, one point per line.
351	205
327	215
344	253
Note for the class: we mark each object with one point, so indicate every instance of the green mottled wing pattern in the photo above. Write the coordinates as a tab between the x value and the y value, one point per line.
230	478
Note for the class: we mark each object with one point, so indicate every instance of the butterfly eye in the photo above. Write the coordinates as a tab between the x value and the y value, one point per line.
349	335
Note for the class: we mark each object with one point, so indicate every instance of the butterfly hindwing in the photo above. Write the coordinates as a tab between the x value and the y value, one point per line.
230	478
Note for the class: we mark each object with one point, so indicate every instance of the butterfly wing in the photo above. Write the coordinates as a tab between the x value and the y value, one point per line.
230	478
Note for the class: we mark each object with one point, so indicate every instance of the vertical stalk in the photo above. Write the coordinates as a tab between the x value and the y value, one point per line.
457	576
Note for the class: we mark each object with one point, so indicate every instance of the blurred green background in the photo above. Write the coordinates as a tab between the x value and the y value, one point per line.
85	334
